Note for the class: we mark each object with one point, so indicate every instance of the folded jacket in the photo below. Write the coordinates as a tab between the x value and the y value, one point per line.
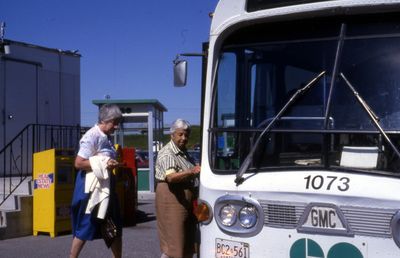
98	185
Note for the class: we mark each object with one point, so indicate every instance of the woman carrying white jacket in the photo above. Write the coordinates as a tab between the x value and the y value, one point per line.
94	194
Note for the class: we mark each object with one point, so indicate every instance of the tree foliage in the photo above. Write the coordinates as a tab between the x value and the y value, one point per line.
139	141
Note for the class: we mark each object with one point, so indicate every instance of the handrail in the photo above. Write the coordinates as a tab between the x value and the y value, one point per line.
13	139
16	157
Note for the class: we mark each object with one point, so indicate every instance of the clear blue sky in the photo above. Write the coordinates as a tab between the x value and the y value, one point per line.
127	46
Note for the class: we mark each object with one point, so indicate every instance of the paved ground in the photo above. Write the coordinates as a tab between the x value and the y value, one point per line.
140	241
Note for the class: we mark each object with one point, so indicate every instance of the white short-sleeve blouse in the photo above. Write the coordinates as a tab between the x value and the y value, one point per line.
95	142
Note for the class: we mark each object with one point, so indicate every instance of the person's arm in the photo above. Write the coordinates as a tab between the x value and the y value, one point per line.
183	176
84	164
86	149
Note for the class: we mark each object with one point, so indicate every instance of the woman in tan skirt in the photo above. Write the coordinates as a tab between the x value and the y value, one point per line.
175	175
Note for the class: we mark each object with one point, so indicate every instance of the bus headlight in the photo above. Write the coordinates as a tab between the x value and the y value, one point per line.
395	225
248	216
228	215
238	215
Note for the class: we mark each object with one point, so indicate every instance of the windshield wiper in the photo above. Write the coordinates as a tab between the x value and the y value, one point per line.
371	114
249	158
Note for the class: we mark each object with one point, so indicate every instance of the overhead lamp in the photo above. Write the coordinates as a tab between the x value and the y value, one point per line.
4	48
7	49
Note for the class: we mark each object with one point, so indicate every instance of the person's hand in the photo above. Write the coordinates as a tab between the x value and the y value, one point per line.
112	163
195	170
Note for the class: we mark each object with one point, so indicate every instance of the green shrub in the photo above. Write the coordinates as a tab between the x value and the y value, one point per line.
139	141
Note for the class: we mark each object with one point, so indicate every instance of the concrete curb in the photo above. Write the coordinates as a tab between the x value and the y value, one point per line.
146	196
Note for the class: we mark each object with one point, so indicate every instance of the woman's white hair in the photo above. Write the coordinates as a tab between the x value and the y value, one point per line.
180	124
109	112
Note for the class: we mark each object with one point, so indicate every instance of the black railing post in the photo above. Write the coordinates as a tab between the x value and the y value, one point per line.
21	153
30	142
10	168
4	176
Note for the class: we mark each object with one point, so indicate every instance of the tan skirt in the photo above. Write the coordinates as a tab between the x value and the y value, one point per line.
175	220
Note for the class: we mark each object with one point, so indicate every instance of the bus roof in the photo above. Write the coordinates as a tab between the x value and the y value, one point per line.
230	12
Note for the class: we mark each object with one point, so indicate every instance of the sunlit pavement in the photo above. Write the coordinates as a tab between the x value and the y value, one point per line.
139	241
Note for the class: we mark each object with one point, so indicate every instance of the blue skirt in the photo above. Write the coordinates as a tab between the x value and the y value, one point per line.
87	226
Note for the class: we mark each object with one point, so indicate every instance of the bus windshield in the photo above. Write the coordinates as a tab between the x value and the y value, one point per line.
261	66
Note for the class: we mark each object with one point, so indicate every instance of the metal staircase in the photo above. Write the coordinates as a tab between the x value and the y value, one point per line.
16	169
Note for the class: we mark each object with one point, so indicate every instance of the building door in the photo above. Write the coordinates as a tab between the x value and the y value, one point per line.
20	97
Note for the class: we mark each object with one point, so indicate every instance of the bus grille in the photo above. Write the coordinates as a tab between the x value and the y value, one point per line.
363	221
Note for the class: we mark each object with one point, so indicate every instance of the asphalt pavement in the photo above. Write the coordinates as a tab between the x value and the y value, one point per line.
140	241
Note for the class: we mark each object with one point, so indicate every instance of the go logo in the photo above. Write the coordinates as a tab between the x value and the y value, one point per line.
307	248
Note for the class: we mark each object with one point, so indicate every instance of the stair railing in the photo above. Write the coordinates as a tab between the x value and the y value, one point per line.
16	157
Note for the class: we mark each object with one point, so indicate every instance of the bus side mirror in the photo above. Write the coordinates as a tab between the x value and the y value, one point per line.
180	72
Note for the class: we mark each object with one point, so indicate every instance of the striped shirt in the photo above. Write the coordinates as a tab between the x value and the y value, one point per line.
171	159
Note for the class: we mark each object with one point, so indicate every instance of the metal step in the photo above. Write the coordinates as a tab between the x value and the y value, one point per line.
25	187
10	204
16	212
17	223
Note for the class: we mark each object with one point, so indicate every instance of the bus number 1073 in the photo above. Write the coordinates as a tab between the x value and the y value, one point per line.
318	182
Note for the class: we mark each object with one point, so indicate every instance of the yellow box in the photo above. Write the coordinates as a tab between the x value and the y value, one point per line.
53	177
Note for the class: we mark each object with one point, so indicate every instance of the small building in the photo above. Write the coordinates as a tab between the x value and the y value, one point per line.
141	115
38	85
39	110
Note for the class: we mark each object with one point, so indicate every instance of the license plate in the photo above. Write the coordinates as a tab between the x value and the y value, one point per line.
231	249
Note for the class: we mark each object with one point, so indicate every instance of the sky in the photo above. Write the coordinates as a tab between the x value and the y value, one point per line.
127	46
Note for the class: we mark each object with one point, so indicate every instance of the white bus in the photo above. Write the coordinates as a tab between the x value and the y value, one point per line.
301	129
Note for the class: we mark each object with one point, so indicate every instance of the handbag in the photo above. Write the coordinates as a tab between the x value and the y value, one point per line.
109	231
